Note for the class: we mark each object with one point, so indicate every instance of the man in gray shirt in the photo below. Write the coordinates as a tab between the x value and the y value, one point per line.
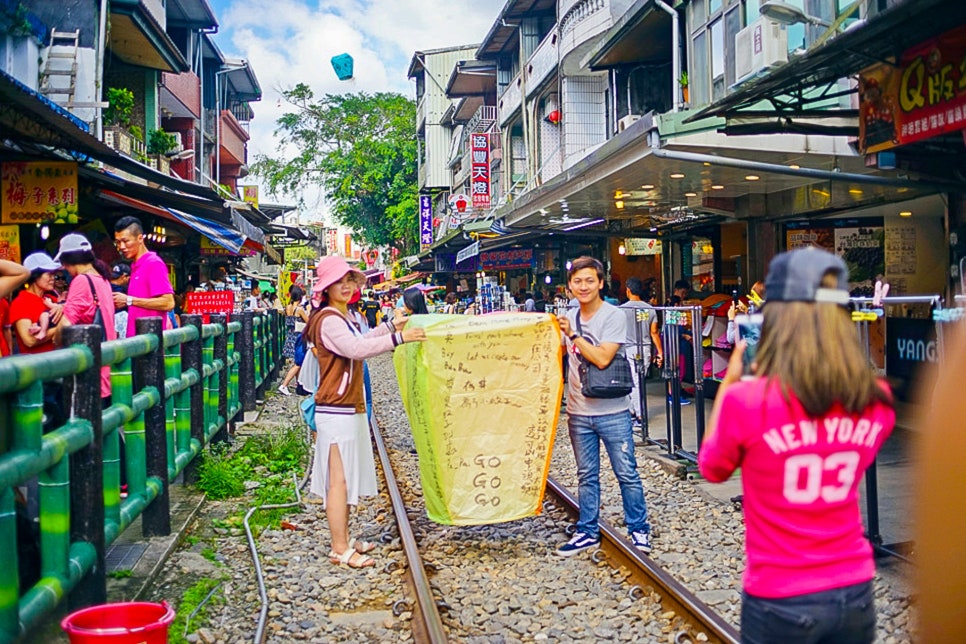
651	337
591	421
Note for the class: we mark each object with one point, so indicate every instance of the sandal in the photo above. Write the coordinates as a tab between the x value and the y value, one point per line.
352	559
362	547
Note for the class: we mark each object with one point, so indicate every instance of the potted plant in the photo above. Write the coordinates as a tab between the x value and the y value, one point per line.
159	144
683	82
117	118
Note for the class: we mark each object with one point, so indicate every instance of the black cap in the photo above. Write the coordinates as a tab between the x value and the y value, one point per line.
119	270
796	276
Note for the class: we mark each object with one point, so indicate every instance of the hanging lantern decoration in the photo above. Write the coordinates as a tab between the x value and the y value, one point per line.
342	64
371	256
553	117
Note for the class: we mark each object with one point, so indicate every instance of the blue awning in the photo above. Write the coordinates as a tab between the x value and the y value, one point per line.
226	237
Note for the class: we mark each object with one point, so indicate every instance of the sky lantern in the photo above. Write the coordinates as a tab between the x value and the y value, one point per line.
342	64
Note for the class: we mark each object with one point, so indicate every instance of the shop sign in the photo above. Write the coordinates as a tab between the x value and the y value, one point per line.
425	221
859	242
33	192
10	243
209	248
444	262
331	240
910	345
470	251
921	97
641	246
480	170
459	202
208	302
348	245
506	259
250	195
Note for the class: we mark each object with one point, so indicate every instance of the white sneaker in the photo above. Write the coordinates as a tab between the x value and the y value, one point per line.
282	389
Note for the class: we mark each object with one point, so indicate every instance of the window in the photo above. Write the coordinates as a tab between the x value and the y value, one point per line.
713	25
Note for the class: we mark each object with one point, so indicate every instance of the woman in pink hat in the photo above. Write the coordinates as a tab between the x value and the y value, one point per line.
343	468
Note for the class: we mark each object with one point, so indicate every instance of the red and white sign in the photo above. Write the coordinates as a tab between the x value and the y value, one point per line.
208	302
459	202
480	170
331	241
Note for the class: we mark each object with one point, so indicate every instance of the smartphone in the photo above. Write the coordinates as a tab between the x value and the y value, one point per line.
734	297
749	330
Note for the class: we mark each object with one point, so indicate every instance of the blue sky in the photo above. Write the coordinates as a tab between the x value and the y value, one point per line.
291	41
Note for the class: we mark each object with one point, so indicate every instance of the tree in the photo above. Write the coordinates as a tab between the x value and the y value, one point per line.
361	149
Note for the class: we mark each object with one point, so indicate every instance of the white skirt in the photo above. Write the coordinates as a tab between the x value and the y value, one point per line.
350	432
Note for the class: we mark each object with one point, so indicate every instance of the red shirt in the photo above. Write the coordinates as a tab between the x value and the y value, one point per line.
28	306
4	323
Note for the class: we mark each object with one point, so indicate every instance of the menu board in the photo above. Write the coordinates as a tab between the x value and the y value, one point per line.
483	398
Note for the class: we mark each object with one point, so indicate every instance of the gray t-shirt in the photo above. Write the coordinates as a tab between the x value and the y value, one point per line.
608	325
630	311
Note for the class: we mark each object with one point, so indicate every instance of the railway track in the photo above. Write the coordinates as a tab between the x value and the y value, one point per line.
694	620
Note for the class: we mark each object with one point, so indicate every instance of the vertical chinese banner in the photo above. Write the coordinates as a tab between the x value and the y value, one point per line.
33	192
250	195
425	222
348	246
331	241
480	170
10	243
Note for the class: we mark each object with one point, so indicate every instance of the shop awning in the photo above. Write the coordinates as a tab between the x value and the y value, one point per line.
228	238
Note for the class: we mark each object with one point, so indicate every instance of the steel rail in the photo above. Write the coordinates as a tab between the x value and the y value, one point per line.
427	624
644	572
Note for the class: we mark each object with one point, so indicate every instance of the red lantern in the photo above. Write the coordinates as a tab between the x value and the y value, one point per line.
553	117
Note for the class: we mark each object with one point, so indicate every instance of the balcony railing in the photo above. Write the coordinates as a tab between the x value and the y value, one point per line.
509	101
543	61
232	141
185	87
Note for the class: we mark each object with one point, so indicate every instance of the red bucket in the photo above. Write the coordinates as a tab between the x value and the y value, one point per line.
124	623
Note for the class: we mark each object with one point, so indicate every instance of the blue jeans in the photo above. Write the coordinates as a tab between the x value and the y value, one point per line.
614	430
841	616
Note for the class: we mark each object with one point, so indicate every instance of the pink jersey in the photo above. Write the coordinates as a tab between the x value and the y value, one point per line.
800	477
79	309
149	278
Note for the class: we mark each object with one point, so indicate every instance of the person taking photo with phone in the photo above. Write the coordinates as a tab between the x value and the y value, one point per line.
803	429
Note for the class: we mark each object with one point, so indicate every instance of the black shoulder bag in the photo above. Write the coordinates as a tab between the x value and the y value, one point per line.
98	316
613	381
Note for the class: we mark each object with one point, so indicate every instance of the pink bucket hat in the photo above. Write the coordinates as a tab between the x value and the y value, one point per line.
331	269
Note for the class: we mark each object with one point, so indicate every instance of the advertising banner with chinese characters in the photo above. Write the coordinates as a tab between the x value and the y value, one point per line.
33	192
520	258
425	222
250	195
331	241
480	170
10	243
208	302
923	96
482	394
209	248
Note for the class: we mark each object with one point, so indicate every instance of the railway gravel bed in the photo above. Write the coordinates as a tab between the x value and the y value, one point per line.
499	583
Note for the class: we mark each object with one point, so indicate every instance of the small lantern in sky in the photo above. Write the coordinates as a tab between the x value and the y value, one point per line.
342	64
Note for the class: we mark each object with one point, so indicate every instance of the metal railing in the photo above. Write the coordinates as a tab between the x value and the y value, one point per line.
173	392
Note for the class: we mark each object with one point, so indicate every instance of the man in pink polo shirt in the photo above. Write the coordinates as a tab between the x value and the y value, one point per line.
149	293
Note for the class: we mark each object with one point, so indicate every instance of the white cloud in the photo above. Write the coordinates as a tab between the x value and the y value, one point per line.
290	41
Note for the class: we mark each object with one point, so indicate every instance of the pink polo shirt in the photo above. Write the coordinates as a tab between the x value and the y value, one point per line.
800	477
79	309
149	278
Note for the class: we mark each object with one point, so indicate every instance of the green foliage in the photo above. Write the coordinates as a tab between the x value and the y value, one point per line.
120	574
136	132
220	476
120	106
161	142
683	79
192	599
361	150
209	554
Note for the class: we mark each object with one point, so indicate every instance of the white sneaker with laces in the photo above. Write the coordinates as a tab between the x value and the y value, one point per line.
282	389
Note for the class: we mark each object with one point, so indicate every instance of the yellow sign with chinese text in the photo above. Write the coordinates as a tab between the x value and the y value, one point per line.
10	243
483	398
33	192
250	195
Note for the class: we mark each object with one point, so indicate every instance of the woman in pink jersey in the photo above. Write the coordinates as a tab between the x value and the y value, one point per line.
803	430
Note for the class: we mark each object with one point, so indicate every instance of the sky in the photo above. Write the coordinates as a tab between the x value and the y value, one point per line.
292	41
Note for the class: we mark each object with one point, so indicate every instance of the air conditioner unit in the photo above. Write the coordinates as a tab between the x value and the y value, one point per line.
761	45
627	121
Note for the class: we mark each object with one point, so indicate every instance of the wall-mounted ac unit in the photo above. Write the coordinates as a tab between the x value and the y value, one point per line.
626	121
761	45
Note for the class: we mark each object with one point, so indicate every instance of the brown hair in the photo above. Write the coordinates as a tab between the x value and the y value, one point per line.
813	350
583	262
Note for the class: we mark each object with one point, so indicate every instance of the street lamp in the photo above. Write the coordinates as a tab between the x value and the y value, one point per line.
789	14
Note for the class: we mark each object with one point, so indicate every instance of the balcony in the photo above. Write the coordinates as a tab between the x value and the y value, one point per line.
543	61
232	141
581	22
509	101
181	95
